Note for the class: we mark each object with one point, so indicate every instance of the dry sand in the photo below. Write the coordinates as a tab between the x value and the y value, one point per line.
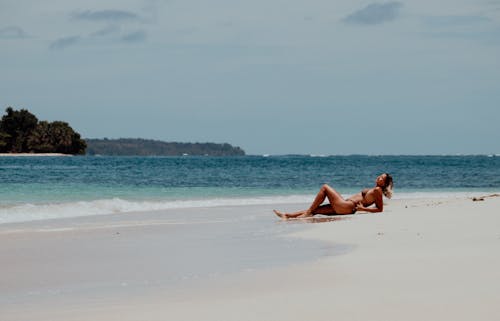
420	259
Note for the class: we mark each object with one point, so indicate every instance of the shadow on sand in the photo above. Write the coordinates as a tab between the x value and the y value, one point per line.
314	219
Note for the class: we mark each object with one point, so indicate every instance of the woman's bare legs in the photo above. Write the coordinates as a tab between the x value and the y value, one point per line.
337	205
326	209
325	192
291	215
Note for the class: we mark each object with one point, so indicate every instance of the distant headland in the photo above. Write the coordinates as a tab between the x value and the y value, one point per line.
149	147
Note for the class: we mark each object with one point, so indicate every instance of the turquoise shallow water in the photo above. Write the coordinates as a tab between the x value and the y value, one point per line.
50	187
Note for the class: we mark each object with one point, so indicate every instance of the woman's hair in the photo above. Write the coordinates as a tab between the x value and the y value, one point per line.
387	189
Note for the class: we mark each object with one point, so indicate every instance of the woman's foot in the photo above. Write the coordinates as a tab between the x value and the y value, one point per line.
280	214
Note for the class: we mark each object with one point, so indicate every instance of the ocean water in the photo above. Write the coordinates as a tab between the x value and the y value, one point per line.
37	188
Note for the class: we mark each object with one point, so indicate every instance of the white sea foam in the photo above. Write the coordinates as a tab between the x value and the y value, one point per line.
32	212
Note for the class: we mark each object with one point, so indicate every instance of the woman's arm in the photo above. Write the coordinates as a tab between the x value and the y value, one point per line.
379	203
368	209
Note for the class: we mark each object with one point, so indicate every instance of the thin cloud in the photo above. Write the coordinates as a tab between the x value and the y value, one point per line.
475	28
136	36
375	13
105	15
12	32
65	42
489	37
452	21
111	30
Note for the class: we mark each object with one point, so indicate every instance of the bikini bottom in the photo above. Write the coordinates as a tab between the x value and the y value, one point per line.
354	208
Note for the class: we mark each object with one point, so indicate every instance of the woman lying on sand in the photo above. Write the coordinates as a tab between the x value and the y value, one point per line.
340	206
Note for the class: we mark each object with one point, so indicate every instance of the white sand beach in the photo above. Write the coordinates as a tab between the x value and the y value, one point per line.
436	259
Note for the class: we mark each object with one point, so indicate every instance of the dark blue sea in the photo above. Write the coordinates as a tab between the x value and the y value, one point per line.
34	188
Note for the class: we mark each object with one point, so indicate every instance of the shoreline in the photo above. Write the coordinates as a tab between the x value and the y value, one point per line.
30	211
420	258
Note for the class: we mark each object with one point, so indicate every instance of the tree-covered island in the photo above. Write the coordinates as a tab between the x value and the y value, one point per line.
22	132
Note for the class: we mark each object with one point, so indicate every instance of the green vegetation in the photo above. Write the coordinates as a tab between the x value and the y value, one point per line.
21	132
147	147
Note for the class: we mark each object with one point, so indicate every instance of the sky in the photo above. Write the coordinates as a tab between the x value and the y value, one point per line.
321	77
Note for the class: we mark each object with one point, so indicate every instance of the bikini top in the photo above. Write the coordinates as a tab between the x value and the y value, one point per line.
363	194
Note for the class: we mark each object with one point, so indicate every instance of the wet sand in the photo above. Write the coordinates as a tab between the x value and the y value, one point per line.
420	259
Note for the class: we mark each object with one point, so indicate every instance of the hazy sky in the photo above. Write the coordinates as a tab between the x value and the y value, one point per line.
273	77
